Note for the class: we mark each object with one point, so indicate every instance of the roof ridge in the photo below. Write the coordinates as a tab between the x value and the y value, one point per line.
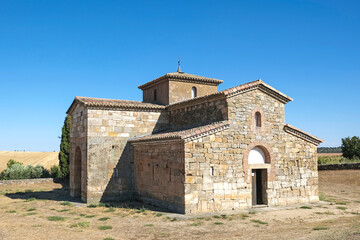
111	99
182	76
185	134
302	134
239	89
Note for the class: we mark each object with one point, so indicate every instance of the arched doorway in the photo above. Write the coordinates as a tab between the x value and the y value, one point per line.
258	161
77	173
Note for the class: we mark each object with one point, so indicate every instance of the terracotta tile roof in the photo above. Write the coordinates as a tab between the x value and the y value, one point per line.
114	104
182	77
258	84
303	135
185	134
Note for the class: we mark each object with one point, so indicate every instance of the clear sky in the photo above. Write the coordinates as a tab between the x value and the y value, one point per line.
52	51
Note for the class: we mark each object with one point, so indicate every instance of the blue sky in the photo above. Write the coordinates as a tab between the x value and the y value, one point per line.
52	51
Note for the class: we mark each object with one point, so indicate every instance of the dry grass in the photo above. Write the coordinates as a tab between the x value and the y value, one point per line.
329	154
59	215
46	159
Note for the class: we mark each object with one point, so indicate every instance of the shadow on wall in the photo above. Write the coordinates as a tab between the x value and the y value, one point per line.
199	115
121	184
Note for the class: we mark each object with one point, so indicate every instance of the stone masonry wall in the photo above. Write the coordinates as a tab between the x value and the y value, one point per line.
159	174
198	114
110	160
180	91
218	176
162	93
78	133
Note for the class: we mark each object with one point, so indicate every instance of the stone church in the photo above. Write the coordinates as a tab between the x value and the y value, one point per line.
189	148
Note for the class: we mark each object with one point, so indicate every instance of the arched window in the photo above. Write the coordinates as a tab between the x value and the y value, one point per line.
155	96
257	156
193	92
258	119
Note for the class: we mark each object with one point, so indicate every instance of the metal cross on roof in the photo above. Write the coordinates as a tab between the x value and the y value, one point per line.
179	70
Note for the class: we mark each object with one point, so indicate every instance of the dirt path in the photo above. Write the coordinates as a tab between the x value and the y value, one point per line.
28	212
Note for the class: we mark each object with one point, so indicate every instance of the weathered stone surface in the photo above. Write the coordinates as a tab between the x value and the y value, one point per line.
205	172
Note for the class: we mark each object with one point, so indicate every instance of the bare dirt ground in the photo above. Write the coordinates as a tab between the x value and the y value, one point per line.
46	159
47	212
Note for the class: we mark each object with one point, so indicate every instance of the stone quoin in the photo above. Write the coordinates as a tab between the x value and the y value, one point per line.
189	148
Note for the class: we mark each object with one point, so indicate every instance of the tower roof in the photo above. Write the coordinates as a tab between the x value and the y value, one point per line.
182	77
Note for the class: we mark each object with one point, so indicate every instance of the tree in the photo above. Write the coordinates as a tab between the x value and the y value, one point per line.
351	147
64	159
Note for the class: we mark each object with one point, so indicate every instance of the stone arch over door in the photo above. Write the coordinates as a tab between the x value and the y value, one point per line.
269	160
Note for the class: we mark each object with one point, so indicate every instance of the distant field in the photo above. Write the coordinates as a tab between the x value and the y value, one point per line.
329	154
46	159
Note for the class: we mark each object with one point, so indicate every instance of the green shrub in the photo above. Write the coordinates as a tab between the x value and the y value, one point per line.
16	170
55	171
351	147
12	162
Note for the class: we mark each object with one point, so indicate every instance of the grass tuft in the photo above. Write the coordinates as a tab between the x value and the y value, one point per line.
66	203
149	225
109	238
104	227
244	216
64	210
158	215
31	209
104	219
195	224
30	213
325	213
218	223
81	225
90	216
11	211
320	228
141	210
92	206
110	209
56	218
258	221
305	207
341	208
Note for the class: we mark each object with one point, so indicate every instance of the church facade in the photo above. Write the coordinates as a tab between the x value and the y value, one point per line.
189	148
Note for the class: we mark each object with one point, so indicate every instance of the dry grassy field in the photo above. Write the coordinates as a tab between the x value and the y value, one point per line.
329	154
47	212
46	159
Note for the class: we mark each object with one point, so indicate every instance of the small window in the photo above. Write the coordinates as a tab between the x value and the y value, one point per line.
155	96
257	119
193	92
211	171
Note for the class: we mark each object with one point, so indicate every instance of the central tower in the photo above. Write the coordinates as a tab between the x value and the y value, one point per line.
176	87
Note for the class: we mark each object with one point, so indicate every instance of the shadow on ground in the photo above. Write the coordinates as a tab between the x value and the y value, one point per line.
57	194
